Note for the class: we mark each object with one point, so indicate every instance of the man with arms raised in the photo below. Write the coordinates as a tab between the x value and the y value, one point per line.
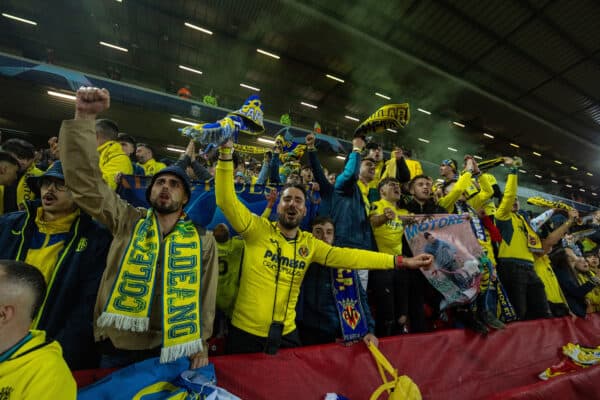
276	258
157	295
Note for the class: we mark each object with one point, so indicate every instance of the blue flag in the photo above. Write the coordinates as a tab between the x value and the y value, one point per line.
202	207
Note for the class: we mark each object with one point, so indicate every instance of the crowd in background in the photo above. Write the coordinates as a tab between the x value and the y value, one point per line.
54	215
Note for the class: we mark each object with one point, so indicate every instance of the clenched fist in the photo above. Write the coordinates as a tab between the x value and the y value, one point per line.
310	140
90	102
419	261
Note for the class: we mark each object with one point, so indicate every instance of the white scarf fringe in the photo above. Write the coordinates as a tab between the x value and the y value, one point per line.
123	322
172	353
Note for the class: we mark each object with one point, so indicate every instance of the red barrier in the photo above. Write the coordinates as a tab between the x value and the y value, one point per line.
583	384
451	364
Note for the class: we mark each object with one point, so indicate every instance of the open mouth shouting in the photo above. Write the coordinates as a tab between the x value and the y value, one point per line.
49	199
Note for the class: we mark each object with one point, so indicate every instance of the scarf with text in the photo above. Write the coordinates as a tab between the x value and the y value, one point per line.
130	303
346	292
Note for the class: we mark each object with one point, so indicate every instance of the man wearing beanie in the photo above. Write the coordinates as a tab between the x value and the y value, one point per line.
157	294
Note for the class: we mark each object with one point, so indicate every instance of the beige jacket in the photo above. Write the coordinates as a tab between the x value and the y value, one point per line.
79	158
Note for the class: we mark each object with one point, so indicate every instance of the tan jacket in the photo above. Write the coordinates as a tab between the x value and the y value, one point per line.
83	176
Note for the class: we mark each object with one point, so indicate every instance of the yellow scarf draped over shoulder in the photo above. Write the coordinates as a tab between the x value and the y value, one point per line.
129	305
533	240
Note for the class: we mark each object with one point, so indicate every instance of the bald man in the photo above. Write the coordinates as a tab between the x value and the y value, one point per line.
31	367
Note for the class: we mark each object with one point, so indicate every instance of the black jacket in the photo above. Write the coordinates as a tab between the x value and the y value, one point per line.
68	309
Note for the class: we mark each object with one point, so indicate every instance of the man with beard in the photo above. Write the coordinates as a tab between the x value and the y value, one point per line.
157	294
69	249
276	258
145	156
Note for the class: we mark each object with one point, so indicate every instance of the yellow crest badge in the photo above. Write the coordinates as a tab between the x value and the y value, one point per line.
303	251
82	245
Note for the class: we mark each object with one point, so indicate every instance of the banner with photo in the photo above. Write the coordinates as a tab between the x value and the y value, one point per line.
450	240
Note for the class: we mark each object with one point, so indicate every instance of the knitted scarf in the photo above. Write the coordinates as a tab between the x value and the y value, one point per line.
130	303
346	292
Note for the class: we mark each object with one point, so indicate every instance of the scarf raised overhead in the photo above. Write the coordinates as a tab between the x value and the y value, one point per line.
130	303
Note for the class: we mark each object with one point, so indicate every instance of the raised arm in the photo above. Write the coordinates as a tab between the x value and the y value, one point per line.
510	194
556	235
80	164
240	218
325	186
396	167
485	193
349	175
452	197
189	159
342	257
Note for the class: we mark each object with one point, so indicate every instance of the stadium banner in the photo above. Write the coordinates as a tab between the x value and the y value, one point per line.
202	207
450	240
503	365
149	379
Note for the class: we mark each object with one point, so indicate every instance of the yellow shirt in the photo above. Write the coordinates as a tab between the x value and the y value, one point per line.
48	242
24	192
489	206
262	297
389	235
414	167
543	269
151	167
112	161
230	263
592	297
42	373
515	238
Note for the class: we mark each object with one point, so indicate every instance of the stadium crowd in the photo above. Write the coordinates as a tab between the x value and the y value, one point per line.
327	261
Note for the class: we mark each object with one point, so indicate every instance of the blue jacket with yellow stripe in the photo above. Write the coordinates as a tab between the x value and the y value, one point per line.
67	312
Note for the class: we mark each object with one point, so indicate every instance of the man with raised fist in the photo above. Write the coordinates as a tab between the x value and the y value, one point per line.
157	294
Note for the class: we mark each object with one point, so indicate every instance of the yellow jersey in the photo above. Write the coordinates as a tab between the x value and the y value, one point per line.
388	236
274	266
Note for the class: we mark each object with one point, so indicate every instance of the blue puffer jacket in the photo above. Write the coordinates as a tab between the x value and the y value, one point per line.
352	226
68	309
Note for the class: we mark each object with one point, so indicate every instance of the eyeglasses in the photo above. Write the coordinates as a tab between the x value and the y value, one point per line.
58	184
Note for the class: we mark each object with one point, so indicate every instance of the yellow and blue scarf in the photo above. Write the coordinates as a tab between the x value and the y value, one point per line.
346	292
390	116
130	302
533	240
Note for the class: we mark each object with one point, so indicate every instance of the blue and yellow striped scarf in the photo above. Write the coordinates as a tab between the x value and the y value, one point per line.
130	303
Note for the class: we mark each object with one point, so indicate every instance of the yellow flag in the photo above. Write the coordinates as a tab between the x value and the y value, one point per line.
390	116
